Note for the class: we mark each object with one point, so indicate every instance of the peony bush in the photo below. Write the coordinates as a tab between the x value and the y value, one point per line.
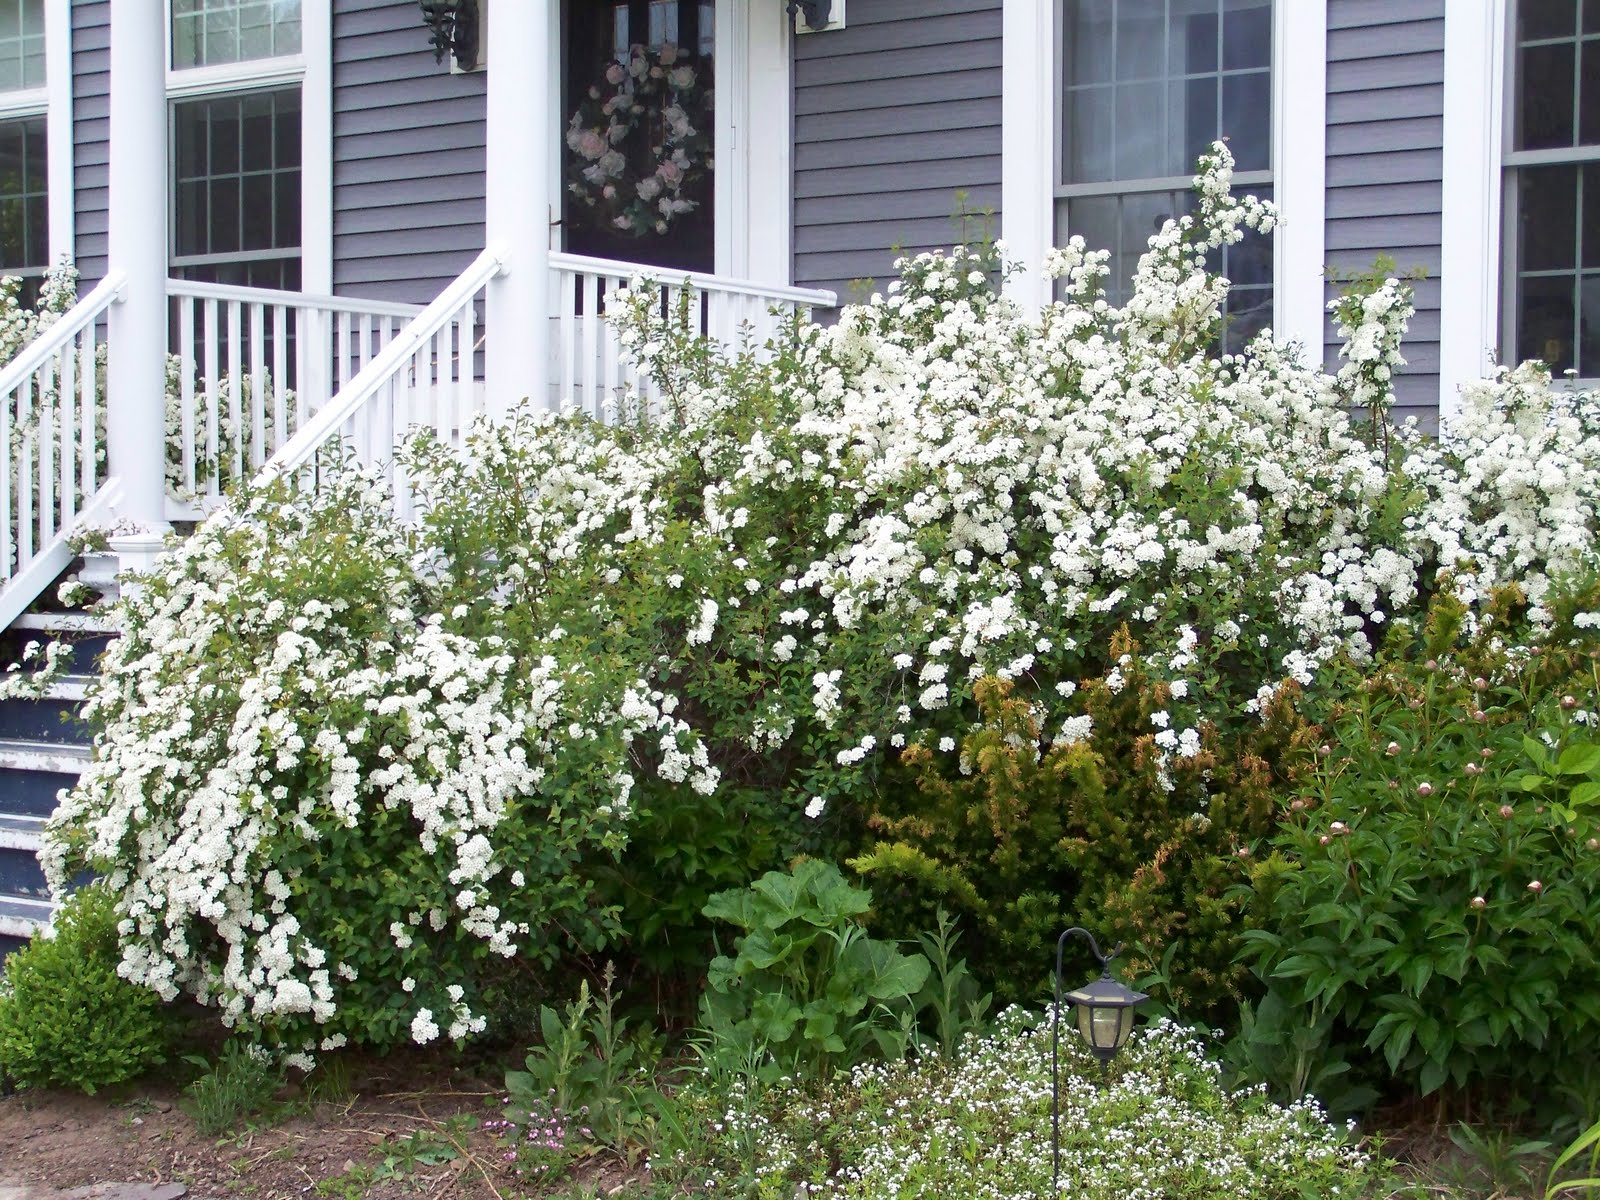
648	659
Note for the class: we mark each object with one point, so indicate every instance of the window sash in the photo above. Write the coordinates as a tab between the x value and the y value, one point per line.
1580	282
192	25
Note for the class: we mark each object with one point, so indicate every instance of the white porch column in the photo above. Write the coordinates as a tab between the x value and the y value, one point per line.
136	369
521	127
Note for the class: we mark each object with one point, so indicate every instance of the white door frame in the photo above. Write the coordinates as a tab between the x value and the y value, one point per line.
752	139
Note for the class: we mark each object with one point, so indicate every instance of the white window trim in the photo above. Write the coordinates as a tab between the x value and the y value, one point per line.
59	129
1027	172
1474	122
312	69
53	102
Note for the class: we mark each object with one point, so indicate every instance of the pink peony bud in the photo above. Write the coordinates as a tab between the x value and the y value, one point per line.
1479	902
1480	684
1424	788
1507	811
1323	840
1432	664
1593	843
1473	769
1569	702
1536	887
1392	749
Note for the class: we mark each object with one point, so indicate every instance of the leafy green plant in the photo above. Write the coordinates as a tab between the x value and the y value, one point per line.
67	1019
240	1085
806	981
1432	894
1586	1143
587	1083
955	1004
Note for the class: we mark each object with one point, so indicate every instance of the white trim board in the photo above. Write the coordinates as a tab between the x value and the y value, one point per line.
1027	153
1299	171
62	201
1474	88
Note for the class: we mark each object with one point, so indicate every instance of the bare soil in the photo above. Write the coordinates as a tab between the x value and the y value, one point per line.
385	1141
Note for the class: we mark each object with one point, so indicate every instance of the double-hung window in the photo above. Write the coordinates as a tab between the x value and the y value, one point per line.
1145	87
1551	285
235	83
24	145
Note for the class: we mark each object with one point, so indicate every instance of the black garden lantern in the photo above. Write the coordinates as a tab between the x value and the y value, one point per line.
1104	1010
453	28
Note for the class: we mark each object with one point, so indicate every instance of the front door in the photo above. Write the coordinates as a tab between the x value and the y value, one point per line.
637	162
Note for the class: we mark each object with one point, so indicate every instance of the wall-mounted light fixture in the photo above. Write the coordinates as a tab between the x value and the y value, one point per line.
816	14
454	28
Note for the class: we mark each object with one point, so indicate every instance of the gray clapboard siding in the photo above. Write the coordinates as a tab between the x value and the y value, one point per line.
91	111
893	116
408	157
1385	164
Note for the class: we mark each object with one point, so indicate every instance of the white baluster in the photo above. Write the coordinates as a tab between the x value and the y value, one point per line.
66	393
568	341
466	382
280	381
8	477
25	473
186	372
47	441
587	395
88	402
258	385
236	387
213	415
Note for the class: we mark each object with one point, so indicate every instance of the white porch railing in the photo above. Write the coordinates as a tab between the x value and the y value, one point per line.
52	427
588	367
251	366
427	374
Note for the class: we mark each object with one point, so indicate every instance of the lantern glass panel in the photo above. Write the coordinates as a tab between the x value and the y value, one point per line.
1105	1027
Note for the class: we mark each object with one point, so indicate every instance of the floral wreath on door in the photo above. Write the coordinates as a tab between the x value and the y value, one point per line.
641	141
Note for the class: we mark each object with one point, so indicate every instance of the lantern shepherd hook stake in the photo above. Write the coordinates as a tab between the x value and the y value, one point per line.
453	29
1105	1019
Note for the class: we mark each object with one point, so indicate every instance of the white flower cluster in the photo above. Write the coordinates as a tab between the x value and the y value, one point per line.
274	778
980	1126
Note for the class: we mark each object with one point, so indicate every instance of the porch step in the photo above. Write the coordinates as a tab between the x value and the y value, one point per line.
44	748
20	919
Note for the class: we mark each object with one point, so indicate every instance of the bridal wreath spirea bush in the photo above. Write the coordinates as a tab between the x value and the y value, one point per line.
745	599
322	811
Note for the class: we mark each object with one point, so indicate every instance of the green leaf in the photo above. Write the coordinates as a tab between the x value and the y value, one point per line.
1578	760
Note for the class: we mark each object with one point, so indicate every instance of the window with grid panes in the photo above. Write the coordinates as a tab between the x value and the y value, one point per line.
1146	86
207	33
236	154
24	154
1551	300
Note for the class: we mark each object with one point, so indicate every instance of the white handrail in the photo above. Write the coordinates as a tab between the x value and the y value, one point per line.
250	295
394	357
72	322
583	264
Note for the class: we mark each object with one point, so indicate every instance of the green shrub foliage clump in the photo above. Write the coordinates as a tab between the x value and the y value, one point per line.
1433	891
1022	837
67	1019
